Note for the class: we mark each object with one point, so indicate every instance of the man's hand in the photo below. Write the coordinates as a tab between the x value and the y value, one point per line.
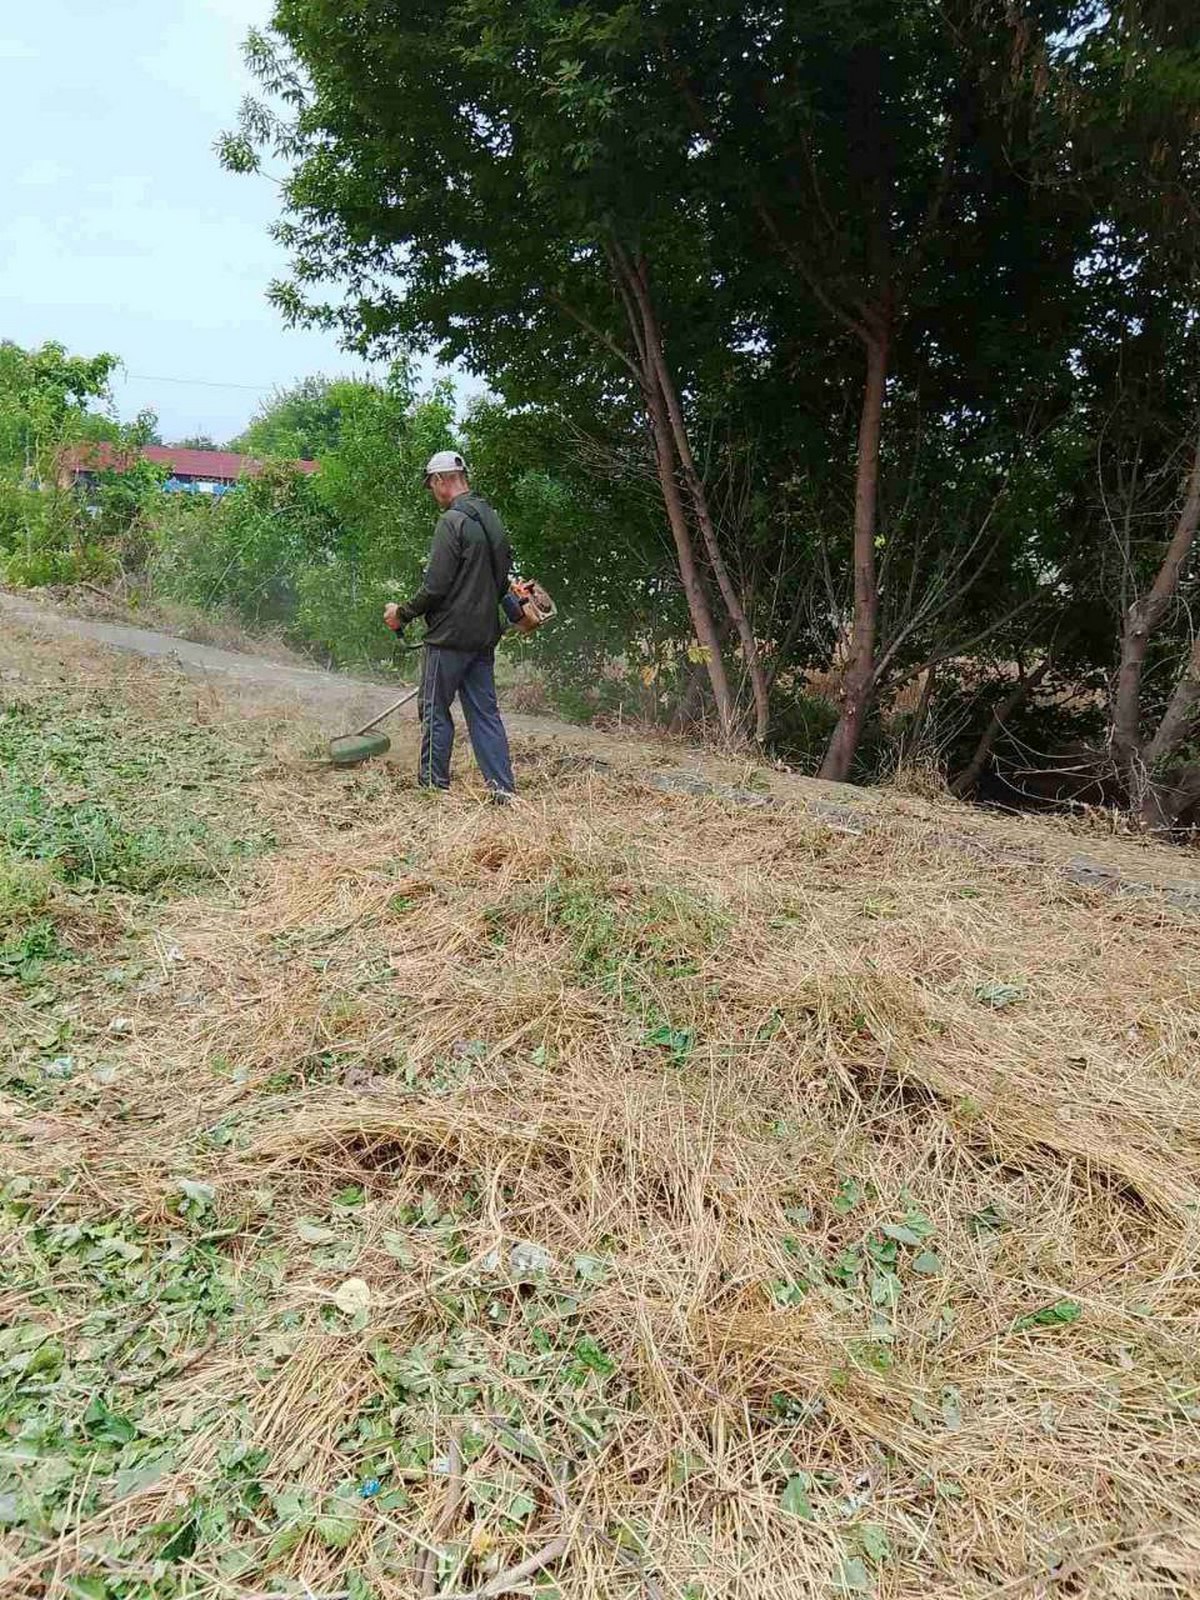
391	615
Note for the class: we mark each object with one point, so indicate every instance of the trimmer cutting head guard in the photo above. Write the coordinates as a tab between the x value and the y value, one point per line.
352	748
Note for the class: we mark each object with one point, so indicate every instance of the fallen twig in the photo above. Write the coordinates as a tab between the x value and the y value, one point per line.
446	1521
512	1576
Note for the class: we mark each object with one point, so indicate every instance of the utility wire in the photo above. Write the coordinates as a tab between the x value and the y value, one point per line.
199	383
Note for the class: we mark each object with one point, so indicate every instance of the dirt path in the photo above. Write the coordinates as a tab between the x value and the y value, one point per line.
338	702
334	697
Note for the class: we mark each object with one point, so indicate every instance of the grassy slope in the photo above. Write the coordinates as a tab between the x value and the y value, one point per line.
702	1199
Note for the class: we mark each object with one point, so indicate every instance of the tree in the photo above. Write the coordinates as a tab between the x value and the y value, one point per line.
873	294
1123	129
301	423
599	170
44	396
245	551
584	514
194	441
373	485
863	148
568	255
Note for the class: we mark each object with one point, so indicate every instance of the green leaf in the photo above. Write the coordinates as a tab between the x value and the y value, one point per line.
915	1229
396	1246
591	1269
197	1197
183	1540
873	1542
357	1587
286	1539
335	1532
133	1479
124	1249
928	1262
291	1505
788	1292
853	1577
590	1357
951	1410
901	1234
998	995
850	1192
111	1427
990	1220
847	1267
679	1041
794	1499
885	1288
45	1359
520	1506
1060	1315
313	1233
884	1252
88	1586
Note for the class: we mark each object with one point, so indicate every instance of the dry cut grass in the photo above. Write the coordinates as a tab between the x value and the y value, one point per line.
635	1194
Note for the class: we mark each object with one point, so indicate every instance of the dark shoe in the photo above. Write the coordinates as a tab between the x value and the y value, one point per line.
500	797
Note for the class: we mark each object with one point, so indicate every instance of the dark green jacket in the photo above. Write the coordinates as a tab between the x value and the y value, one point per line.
467	573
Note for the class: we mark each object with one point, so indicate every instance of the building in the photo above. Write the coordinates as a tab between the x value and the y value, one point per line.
188	471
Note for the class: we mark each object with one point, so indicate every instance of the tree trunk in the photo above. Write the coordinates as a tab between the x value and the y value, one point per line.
916	731
1164	803
1160	802
967	780
1180	717
640	286
1142	620
859	681
689	704
646	370
693	588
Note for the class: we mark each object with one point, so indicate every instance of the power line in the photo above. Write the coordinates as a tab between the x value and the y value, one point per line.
200	383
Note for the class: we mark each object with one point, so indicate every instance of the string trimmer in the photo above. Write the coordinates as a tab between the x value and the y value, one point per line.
349	749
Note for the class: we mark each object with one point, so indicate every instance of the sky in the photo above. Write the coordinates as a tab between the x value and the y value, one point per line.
118	229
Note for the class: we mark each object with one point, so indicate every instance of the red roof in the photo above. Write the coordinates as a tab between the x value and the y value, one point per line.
181	463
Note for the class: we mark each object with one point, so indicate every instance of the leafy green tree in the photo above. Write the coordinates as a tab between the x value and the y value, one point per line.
373	486
872	296
503	243
302	423
599	172
1118	107
44	399
45	396
245	550
592	531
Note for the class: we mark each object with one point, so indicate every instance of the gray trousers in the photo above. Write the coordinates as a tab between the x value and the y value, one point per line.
471	675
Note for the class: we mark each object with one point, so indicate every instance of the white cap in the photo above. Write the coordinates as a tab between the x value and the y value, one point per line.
444	461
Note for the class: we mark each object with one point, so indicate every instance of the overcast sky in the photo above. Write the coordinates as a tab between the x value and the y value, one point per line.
118	229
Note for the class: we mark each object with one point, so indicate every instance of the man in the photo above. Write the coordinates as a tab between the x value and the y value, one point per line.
460	600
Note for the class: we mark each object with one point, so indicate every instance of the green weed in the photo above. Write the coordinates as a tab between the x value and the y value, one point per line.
623	939
96	799
25	893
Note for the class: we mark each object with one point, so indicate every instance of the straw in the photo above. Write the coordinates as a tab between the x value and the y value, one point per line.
609	1101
